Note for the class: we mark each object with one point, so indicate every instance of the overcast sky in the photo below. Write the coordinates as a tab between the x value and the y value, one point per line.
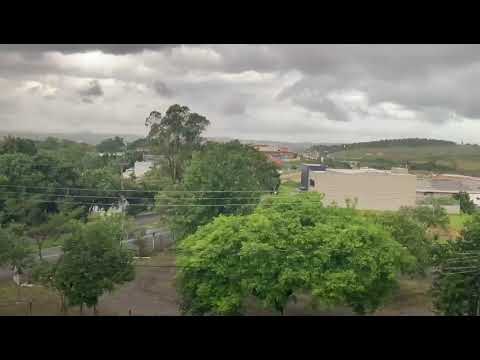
319	93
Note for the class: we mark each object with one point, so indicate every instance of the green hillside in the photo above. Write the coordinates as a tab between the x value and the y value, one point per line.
418	154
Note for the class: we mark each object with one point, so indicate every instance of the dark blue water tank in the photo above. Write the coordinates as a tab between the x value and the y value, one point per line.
306	168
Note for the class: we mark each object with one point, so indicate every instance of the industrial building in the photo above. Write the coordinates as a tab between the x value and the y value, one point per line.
371	189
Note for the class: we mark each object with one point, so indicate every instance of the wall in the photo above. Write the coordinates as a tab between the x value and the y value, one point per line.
142	167
374	191
475	197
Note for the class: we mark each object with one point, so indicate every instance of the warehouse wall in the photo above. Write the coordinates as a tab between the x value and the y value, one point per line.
374	191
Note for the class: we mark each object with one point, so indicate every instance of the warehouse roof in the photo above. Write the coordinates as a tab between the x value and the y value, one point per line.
362	171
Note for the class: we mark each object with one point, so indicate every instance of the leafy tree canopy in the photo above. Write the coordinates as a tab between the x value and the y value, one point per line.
14	249
466	205
407	230
337	255
224	169
93	262
11	145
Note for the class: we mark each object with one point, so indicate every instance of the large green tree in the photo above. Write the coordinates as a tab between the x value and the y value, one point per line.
176	135
92	263
224	179
338	256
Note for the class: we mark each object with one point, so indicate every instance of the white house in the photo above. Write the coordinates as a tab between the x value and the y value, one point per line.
139	170
118	209
475	197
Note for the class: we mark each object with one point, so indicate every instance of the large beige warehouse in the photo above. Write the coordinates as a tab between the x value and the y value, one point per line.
373	189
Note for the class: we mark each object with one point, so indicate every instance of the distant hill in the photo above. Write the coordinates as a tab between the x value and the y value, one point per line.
401	142
429	155
85	137
293	146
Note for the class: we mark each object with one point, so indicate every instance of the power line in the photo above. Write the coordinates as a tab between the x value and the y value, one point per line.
156	204
140	198
152	191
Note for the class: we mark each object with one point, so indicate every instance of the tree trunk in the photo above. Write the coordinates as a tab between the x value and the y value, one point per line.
62	304
95	312
81	308
39	246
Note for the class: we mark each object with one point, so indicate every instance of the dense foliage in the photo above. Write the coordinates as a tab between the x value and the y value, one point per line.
14	250
92	263
338	256
10	145
112	145
466	205
406	229
456	286
224	179
430	216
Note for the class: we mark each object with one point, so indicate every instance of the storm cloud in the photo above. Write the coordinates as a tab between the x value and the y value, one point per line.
292	92
162	89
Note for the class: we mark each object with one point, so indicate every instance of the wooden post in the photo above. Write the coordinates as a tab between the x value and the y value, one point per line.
30	305
129	312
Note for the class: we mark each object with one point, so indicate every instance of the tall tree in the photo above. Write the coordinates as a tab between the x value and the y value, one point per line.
225	179
175	135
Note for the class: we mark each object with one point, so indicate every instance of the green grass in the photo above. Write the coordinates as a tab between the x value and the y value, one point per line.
288	187
457	221
15	300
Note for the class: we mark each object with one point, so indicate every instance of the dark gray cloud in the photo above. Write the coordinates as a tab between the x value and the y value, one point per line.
281	84
235	107
117	49
162	89
93	89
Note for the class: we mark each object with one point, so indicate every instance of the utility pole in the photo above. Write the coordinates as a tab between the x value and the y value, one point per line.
122	198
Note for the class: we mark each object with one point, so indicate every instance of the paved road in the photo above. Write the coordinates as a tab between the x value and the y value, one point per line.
5	274
146	219
48	254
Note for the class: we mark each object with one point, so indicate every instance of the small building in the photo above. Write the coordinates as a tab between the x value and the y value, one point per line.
139	170
475	198
275	153
120	208
306	168
102	154
370	189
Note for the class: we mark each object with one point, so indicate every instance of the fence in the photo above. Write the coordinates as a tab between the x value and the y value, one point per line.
152	241
32	308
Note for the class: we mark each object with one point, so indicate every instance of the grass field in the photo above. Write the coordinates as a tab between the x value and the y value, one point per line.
457	221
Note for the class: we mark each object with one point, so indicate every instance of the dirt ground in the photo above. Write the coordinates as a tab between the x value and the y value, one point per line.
153	293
